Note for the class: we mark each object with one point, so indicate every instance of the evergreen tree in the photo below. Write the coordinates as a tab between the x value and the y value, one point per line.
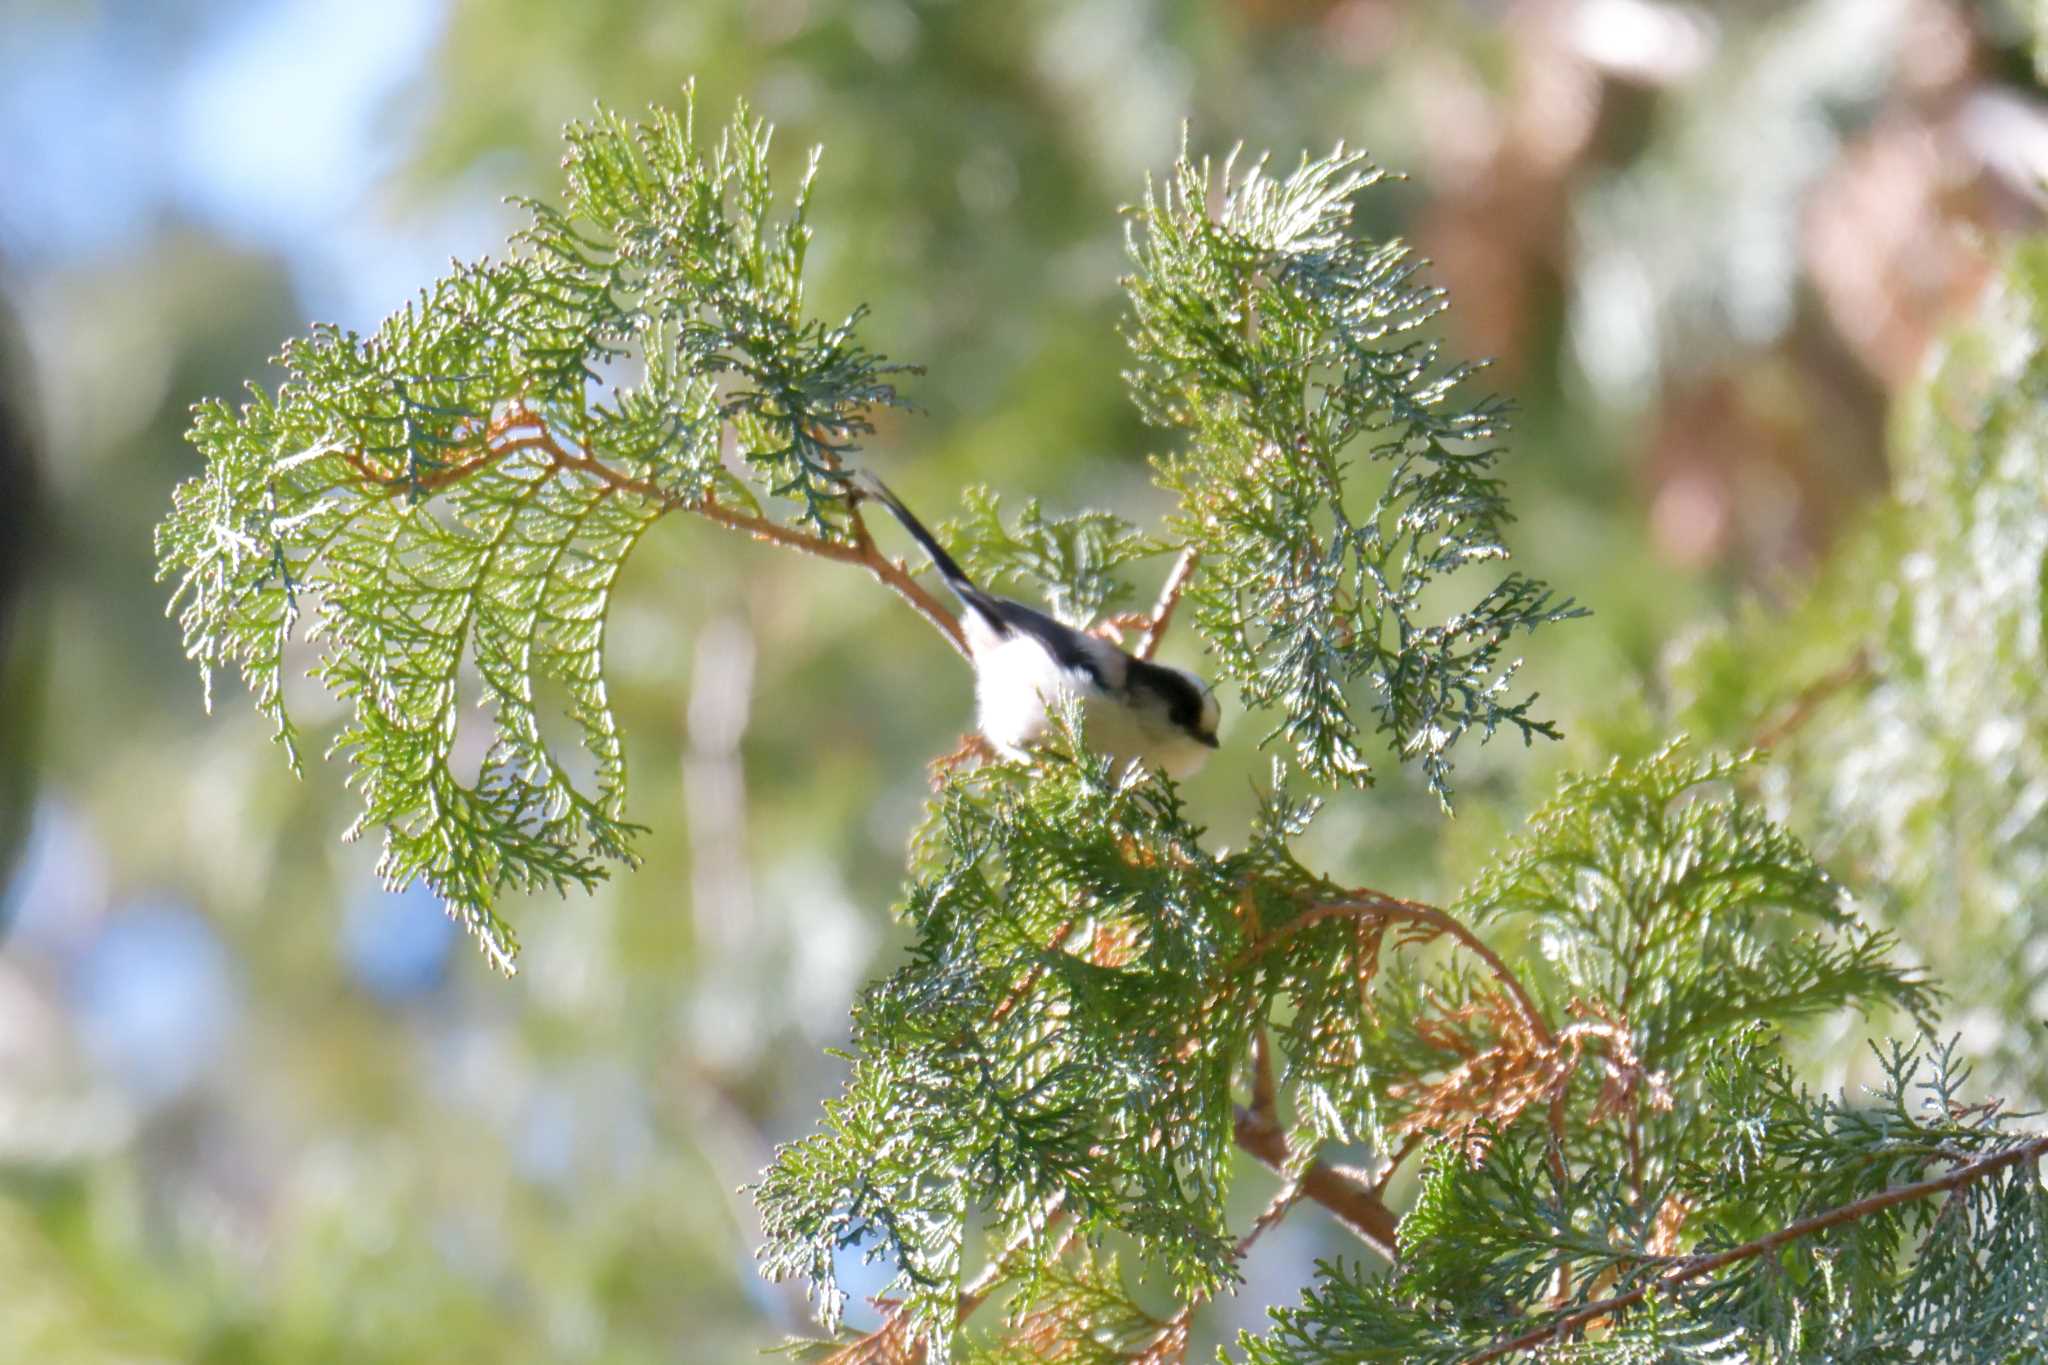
1583	1054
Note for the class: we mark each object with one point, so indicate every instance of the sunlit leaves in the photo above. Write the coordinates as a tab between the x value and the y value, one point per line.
450	502
695	238
1652	887
1078	1312
1666	915
1332	473
1962	1275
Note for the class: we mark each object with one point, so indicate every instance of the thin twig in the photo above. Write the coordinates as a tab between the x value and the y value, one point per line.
1384	1176
888	572
890	1344
1171	1342
1057	944
1810	699
474	460
1694	1267
1366	903
976	1292
894	1331
1285	1198
1170	1346
862	551
1358	1207
1378	905
1169	598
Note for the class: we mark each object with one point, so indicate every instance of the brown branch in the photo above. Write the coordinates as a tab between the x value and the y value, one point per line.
896	1334
1353	1196
896	576
1170	1346
609	477
893	1343
976	1292
1378	1180
1366	903
896	1341
1694	1267
1169	598
1023	988
1265	1090
475	459
880	567
862	551
1285	1198
1355	1203
1342	1193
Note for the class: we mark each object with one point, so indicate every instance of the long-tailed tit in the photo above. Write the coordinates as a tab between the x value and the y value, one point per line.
1025	661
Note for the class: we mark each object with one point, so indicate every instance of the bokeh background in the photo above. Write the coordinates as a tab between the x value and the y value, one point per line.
253	1108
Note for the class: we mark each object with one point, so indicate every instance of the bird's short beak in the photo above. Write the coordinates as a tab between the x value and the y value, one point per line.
1210	740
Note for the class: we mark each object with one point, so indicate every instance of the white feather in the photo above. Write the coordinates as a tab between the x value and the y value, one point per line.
1018	682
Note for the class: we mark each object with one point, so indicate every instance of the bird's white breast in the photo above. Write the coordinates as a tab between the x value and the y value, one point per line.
1017	680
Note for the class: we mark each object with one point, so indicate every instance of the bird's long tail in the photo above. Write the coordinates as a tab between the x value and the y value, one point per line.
866	485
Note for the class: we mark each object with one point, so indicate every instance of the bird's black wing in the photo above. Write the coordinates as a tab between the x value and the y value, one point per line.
1070	648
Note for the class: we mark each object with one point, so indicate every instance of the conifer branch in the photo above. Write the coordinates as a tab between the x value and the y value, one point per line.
896	1342
1355	1203
975	1293
861	551
1288	350
1694	1267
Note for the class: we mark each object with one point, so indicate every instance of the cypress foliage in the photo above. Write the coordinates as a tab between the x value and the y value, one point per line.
1104	1008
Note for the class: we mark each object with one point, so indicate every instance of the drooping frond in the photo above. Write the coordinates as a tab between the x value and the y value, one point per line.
451	499
1652	887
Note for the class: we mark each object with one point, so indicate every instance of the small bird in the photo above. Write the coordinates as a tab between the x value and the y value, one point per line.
1025	661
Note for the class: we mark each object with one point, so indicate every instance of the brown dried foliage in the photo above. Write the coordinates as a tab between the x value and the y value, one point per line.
1490	1084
